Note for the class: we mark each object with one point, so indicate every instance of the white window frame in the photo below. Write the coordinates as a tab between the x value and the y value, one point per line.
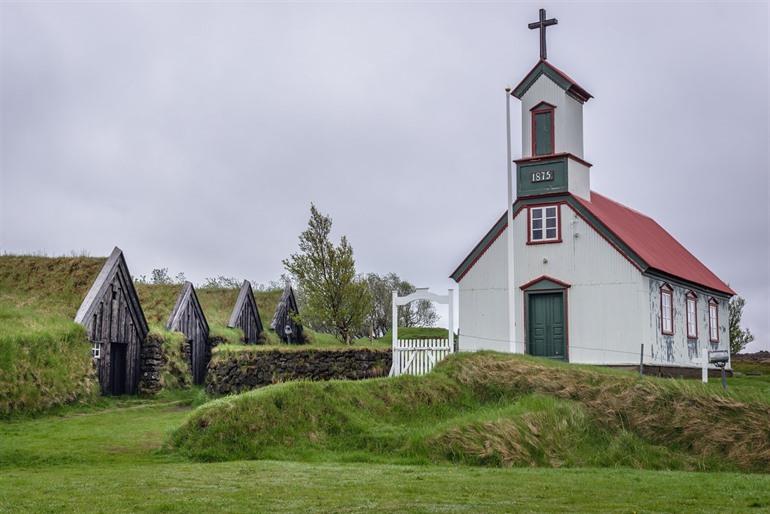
692	316
666	311
713	321
543	210
96	350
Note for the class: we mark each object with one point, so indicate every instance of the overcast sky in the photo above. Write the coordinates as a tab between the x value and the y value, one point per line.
194	136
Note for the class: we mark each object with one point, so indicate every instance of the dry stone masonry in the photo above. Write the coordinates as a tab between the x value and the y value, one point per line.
233	372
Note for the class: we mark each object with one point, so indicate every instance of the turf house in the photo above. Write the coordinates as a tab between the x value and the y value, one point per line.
286	322
116	326
187	317
590	280
245	315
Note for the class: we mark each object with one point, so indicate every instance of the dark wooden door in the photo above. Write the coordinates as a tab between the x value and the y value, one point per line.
198	357
546	325
118	368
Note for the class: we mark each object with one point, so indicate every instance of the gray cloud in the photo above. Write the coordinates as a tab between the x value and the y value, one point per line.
195	136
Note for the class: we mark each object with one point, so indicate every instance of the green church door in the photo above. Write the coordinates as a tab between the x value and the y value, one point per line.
546	325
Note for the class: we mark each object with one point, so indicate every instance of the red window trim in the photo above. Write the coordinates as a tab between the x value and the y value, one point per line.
540	110
558	223
560	283
715	303
667	289
694	297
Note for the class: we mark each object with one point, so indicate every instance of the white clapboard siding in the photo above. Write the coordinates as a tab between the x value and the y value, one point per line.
418	356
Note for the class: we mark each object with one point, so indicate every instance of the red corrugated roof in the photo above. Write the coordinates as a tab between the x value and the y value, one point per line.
652	243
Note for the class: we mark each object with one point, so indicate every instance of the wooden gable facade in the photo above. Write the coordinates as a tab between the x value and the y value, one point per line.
246	315
285	322
116	326
187	317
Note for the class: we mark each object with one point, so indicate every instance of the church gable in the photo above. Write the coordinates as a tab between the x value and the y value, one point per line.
245	315
558	77
635	236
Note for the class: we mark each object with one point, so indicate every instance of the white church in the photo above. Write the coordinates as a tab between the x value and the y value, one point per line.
593	280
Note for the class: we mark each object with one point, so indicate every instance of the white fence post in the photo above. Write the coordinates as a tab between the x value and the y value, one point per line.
395	368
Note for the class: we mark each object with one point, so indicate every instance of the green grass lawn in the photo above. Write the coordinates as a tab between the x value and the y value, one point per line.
110	458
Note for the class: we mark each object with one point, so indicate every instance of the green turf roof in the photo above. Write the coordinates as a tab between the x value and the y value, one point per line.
51	284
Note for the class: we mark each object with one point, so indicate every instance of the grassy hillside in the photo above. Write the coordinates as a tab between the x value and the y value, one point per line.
158	300
52	463
44	356
50	286
490	409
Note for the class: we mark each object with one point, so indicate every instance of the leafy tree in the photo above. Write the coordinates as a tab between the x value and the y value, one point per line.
160	276
334	297
380	289
420	313
738	338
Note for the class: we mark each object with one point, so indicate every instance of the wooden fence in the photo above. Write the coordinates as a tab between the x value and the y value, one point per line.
418	356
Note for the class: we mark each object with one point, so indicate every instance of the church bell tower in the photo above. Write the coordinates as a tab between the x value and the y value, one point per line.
551	129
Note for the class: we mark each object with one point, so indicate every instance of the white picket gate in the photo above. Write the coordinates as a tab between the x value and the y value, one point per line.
419	356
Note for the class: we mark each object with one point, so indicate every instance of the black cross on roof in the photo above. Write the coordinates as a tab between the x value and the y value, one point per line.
542	24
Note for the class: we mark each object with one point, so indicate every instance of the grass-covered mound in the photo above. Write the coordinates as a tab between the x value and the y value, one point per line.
45	358
489	409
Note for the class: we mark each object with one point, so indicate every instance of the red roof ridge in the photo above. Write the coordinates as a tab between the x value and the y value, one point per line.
624	206
653	243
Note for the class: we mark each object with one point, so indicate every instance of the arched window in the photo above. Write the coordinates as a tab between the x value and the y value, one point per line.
713	321
692	315
666	310
542	129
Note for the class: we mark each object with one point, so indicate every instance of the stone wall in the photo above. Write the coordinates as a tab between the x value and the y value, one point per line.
236	371
164	363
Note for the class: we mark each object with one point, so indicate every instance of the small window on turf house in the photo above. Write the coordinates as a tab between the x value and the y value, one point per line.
544	224
666	310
